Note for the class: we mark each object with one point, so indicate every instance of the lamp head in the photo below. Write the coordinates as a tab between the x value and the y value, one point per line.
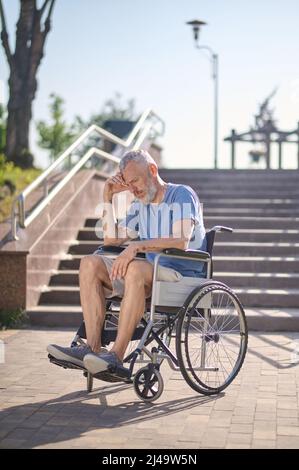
196	25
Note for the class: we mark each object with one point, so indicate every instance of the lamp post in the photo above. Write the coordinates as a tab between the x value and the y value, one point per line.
196	25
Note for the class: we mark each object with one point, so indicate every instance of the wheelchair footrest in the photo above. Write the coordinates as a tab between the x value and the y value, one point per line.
114	375
107	377
64	364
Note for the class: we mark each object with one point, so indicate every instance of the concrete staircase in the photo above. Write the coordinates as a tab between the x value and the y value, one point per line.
260	260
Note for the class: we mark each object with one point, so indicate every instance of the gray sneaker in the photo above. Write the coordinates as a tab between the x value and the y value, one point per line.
96	363
74	355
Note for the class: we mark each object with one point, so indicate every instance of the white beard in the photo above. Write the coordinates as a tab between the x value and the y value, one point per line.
150	195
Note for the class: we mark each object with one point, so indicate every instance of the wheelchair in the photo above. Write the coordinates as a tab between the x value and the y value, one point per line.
204	317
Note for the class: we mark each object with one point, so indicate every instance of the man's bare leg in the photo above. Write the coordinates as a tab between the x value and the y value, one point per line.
138	282
93	276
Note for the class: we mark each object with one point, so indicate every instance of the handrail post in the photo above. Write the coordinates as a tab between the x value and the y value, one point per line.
14	235
21	201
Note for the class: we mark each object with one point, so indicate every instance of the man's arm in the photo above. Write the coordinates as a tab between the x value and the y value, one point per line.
182	232
112	233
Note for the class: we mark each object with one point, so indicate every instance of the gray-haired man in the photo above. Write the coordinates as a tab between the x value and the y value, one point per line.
155	218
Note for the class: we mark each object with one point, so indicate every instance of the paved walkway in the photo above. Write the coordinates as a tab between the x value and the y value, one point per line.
44	406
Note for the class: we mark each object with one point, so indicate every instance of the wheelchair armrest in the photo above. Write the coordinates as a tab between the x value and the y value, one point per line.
221	228
116	249
198	254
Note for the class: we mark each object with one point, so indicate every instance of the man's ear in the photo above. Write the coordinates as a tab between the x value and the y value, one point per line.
153	169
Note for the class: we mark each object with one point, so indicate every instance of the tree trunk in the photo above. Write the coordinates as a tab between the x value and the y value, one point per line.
30	41
18	123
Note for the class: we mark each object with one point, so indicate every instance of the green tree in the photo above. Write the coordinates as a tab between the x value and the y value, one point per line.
33	26
114	109
57	135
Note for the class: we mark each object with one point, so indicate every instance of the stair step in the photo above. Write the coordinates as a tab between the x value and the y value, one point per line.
84	247
260	319
249	205
237	221
228	172
261	264
220	248
273	298
255	249
89	233
247	212
65	278
56	316
232	279
64	295
259	235
252	222
225	263
258	280
250	297
238	235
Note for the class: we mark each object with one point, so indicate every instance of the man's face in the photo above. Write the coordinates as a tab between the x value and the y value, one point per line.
140	181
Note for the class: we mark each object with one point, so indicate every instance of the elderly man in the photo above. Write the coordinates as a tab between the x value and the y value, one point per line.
163	215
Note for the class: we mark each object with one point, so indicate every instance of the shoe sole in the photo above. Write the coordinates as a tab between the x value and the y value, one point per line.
95	364
57	354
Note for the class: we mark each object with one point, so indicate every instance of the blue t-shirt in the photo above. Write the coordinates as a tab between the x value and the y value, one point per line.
153	220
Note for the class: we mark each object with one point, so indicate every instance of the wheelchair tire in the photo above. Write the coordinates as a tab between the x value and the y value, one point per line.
211	338
148	383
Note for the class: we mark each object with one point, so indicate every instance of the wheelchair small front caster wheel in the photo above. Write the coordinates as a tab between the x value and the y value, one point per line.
89	381
148	384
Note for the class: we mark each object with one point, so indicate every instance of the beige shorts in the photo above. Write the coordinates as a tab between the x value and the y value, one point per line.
164	274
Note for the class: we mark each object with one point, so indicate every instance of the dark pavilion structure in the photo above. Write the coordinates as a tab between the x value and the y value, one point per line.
266	133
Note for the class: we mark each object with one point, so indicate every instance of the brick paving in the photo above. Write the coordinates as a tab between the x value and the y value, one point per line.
44	406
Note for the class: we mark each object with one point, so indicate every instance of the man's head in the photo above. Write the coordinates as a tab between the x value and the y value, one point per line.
140	172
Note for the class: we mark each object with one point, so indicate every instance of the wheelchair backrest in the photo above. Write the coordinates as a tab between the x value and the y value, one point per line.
210	237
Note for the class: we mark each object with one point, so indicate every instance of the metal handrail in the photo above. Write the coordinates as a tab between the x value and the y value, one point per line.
19	202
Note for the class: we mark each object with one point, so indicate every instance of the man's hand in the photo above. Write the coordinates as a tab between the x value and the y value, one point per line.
121	263
114	185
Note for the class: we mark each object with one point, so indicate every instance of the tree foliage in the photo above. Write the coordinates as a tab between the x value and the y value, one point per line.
57	135
114	109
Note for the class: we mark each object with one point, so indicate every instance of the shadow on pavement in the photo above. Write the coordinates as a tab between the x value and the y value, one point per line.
70	416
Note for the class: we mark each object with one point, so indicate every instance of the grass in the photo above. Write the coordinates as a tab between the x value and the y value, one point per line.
16	318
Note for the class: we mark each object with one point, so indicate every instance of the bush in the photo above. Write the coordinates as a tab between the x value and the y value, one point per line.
12	318
13	180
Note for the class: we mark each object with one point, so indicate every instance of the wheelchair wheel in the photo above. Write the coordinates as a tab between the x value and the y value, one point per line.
148	383
211	340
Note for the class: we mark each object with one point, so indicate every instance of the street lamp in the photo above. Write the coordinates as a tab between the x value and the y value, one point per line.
196	26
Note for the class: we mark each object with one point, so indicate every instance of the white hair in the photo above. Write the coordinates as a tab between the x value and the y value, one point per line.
138	156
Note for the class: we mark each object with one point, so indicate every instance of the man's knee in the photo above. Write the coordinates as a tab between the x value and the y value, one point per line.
137	274
92	265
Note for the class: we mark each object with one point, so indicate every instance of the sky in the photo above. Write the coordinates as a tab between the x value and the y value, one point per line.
144	50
